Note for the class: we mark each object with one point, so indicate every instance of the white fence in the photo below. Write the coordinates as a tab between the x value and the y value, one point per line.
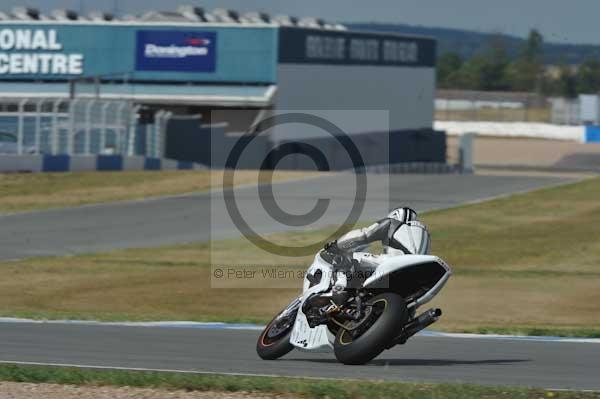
79	126
514	129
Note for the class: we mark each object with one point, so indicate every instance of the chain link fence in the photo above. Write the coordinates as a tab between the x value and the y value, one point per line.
478	106
565	111
80	126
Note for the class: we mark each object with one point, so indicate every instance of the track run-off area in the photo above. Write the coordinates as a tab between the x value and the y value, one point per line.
214	348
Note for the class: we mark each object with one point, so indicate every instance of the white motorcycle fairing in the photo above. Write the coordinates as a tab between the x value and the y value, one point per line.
318	338
430	272
434	274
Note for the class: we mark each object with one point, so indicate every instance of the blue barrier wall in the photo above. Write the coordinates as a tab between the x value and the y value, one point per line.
86	163
592	134
56	163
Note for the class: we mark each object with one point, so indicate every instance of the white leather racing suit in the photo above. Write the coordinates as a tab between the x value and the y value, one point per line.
398	238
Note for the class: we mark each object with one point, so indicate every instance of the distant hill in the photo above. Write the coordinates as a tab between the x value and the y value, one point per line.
467	43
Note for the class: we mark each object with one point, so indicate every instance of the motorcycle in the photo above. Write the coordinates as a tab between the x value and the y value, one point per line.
359	311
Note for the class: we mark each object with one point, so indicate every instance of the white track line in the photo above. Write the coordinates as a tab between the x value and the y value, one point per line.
199	372
533	338
87	366
154	324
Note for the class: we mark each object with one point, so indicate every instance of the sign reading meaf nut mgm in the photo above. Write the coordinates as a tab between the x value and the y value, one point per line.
176	51
36	51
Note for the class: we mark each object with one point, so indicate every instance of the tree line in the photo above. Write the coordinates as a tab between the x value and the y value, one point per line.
494	70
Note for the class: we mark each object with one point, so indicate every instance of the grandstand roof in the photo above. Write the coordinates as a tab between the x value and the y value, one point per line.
182	14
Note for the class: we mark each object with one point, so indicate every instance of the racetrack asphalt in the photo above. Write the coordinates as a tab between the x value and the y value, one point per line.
203	216
543	364
182	219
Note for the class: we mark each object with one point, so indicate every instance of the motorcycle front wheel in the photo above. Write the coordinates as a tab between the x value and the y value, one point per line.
383	323
274	341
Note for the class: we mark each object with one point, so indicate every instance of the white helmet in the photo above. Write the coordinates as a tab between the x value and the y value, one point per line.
412	237
403	214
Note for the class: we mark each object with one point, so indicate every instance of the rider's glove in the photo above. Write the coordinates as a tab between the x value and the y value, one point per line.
340	259
345	264
332	247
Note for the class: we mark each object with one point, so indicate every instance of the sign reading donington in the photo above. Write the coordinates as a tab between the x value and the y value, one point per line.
36	52
176	51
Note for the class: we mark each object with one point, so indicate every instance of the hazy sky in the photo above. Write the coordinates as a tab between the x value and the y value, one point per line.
574	21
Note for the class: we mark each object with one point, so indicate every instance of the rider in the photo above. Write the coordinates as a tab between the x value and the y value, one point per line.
400	233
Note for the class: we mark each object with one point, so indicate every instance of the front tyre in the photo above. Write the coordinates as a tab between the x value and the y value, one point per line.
274	341
362	344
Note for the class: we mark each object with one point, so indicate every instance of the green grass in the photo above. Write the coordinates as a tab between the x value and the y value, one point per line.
295	387
526	264
494	114
21	192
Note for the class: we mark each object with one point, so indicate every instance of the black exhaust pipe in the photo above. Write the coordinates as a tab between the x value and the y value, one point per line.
419	323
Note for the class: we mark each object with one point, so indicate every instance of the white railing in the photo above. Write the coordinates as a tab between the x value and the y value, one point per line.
80	126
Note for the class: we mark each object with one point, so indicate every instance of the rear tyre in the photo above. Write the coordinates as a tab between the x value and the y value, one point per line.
274	341
389	314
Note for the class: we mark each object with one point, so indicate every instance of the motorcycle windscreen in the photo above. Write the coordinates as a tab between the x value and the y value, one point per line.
413	238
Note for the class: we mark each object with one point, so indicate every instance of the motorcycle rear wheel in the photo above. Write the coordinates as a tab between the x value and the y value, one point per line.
274	341
390	313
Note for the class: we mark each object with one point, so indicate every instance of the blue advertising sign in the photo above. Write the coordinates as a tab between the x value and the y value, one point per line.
175	51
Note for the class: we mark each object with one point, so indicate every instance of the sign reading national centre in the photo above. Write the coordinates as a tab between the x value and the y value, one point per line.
176	51
36	52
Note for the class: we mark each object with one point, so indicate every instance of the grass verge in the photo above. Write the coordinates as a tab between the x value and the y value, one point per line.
37	191
527	264
297	387
495	114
